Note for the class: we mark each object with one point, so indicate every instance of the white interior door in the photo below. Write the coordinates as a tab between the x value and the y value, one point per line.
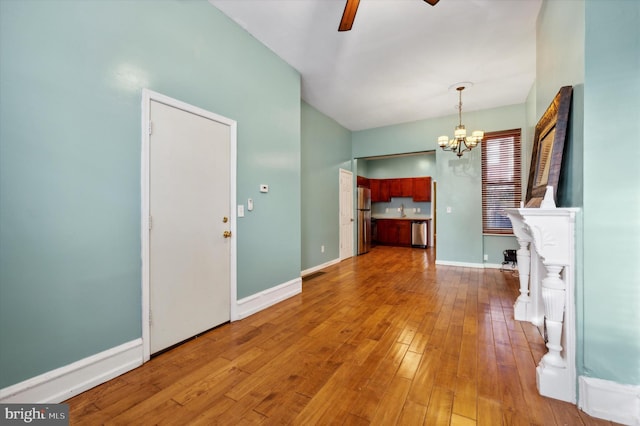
346	214
189	213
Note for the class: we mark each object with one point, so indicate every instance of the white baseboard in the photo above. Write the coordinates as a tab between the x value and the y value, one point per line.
477	265
319	267
610	400
508	267
259	301
62	383
461	264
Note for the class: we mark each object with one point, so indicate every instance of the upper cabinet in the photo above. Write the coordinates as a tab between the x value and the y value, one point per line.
362	181
401	187
418	188
379	190
422	189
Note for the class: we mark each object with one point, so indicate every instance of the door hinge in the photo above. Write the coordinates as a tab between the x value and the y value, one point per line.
150	127
150	223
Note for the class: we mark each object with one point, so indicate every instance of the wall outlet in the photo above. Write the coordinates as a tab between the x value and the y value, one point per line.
486	257
321	249
448	209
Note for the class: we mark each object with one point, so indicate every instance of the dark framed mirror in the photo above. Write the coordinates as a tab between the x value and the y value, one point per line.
548	148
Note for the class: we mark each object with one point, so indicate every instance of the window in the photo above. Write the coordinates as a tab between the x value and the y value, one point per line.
501	186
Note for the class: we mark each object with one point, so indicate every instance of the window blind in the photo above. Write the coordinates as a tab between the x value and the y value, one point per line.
501	179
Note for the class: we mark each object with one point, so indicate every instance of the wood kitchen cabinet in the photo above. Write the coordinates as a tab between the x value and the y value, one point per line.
362	181
379	190
404	232
422	189
418	188
401	187
394	232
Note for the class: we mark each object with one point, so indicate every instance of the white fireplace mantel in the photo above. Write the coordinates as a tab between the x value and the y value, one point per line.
546	265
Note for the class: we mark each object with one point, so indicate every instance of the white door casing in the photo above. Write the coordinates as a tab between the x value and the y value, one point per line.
346	209
188	188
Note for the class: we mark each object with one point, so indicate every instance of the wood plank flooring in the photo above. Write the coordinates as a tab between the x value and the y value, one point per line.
385	338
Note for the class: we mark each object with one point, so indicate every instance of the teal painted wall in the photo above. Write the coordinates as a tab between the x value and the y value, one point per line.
495	245
459	233
557	65
401	167
562	64
599	57
71	75
612	191
326	148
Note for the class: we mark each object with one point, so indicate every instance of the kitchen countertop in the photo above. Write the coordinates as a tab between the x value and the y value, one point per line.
397	217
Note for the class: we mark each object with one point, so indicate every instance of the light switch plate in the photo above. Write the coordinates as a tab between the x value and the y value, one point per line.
240	210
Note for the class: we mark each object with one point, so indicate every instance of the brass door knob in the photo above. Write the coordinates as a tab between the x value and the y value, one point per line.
226	234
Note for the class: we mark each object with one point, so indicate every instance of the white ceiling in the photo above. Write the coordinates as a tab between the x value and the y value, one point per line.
402	57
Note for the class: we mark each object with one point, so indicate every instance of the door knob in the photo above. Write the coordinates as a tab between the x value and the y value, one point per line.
226	234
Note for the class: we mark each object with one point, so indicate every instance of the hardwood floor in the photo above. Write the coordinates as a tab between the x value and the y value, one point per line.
385	338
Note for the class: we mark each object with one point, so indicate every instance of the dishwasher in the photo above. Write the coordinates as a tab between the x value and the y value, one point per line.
419	234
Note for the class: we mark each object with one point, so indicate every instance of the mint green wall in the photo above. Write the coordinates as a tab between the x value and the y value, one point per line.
460	236
600	57
612	191
557	65
495	245
71	75
527	142
326	148
401	167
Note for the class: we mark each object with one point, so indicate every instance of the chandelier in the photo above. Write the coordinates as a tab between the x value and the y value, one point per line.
460	135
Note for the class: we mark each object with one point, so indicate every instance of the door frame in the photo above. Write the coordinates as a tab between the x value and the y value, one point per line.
352	207
147	97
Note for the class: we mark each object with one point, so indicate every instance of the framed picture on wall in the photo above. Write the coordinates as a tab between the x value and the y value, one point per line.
548	148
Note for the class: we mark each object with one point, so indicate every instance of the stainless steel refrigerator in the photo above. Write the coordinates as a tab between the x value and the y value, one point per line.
364	220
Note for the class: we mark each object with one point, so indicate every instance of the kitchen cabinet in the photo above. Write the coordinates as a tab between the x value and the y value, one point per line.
418	188
395	232
422	189
401	187
404	232
379	190
362	181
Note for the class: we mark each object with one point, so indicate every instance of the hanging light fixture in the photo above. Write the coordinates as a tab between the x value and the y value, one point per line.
460	135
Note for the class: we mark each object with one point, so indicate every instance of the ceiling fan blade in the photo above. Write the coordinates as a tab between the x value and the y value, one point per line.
432	2
349	15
